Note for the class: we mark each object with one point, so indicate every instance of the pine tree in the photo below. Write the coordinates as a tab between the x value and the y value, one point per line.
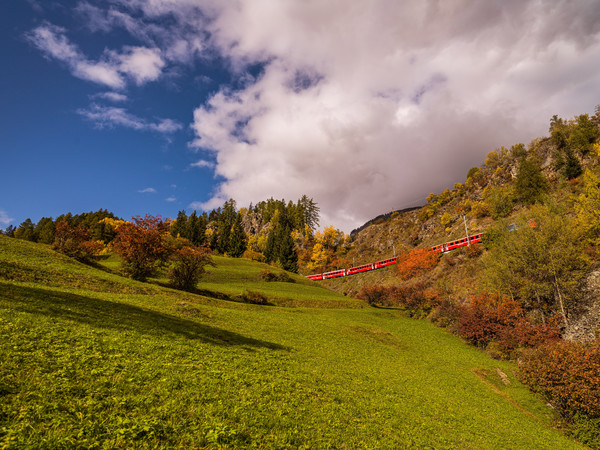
179	227
287	254
238	240
26	231
530	182
572	167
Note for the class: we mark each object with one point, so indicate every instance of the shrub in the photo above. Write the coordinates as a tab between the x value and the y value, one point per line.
482	320
188	266
446	313
418	299
254	297
268	276
253	255
490	318
374	294
416	262
568	373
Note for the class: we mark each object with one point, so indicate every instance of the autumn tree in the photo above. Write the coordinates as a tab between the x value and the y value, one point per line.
188	264
143	245
75	241
416	262
541	266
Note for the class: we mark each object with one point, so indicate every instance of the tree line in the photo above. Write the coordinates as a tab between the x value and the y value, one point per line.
273	231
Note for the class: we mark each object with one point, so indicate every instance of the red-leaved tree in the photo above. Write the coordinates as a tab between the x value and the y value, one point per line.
75	242
143	245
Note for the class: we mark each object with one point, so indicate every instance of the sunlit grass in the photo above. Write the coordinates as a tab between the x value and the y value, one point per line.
111	363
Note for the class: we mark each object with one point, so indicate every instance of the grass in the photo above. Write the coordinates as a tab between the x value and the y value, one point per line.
93	360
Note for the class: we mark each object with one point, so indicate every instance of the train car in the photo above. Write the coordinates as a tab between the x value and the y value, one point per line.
359	269
334	274
315	277
447	246
386	262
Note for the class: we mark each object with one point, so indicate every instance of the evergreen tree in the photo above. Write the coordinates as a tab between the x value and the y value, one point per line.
238	240
572	167
530	182
26	231
44	230
10	231
287	254
179	227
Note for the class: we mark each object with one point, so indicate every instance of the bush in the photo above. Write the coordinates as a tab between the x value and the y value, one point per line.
253	255
374	294
254	297
416	262
490	318
568	373
418	299
268	276
188	266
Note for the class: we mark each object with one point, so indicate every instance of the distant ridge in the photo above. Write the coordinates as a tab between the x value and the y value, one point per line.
382	217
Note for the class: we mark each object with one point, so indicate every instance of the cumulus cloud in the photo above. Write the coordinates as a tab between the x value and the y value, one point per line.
112	69
368	108
5	219
147	190
171	199
109	116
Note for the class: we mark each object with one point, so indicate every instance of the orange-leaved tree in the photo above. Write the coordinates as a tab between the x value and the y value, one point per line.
143	245
416	262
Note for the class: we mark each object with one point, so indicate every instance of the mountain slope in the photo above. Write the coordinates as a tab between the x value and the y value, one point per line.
94	360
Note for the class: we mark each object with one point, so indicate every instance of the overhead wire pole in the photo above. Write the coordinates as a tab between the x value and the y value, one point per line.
467	231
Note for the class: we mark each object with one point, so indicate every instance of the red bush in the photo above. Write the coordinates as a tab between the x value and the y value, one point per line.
490	318
568	373
375	294
416	262
415	297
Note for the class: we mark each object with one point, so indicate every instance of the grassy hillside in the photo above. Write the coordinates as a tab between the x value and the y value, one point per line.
90	359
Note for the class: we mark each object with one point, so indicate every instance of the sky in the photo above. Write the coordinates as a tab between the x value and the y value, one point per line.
158	106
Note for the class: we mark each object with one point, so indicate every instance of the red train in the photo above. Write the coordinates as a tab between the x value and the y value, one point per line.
443	248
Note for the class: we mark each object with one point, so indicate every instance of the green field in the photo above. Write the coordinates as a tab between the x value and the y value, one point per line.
93	360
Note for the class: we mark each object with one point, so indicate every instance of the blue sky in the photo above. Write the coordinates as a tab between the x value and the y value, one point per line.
160	105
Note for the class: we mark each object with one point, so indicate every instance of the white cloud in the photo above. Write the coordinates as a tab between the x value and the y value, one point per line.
5	219
171	199
140	63
147	190
203	163
112	69
368	108
111	96
109	116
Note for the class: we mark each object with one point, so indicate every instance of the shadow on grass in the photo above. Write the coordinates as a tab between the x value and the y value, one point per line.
119	316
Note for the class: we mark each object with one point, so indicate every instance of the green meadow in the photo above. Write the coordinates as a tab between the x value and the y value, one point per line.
89	359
